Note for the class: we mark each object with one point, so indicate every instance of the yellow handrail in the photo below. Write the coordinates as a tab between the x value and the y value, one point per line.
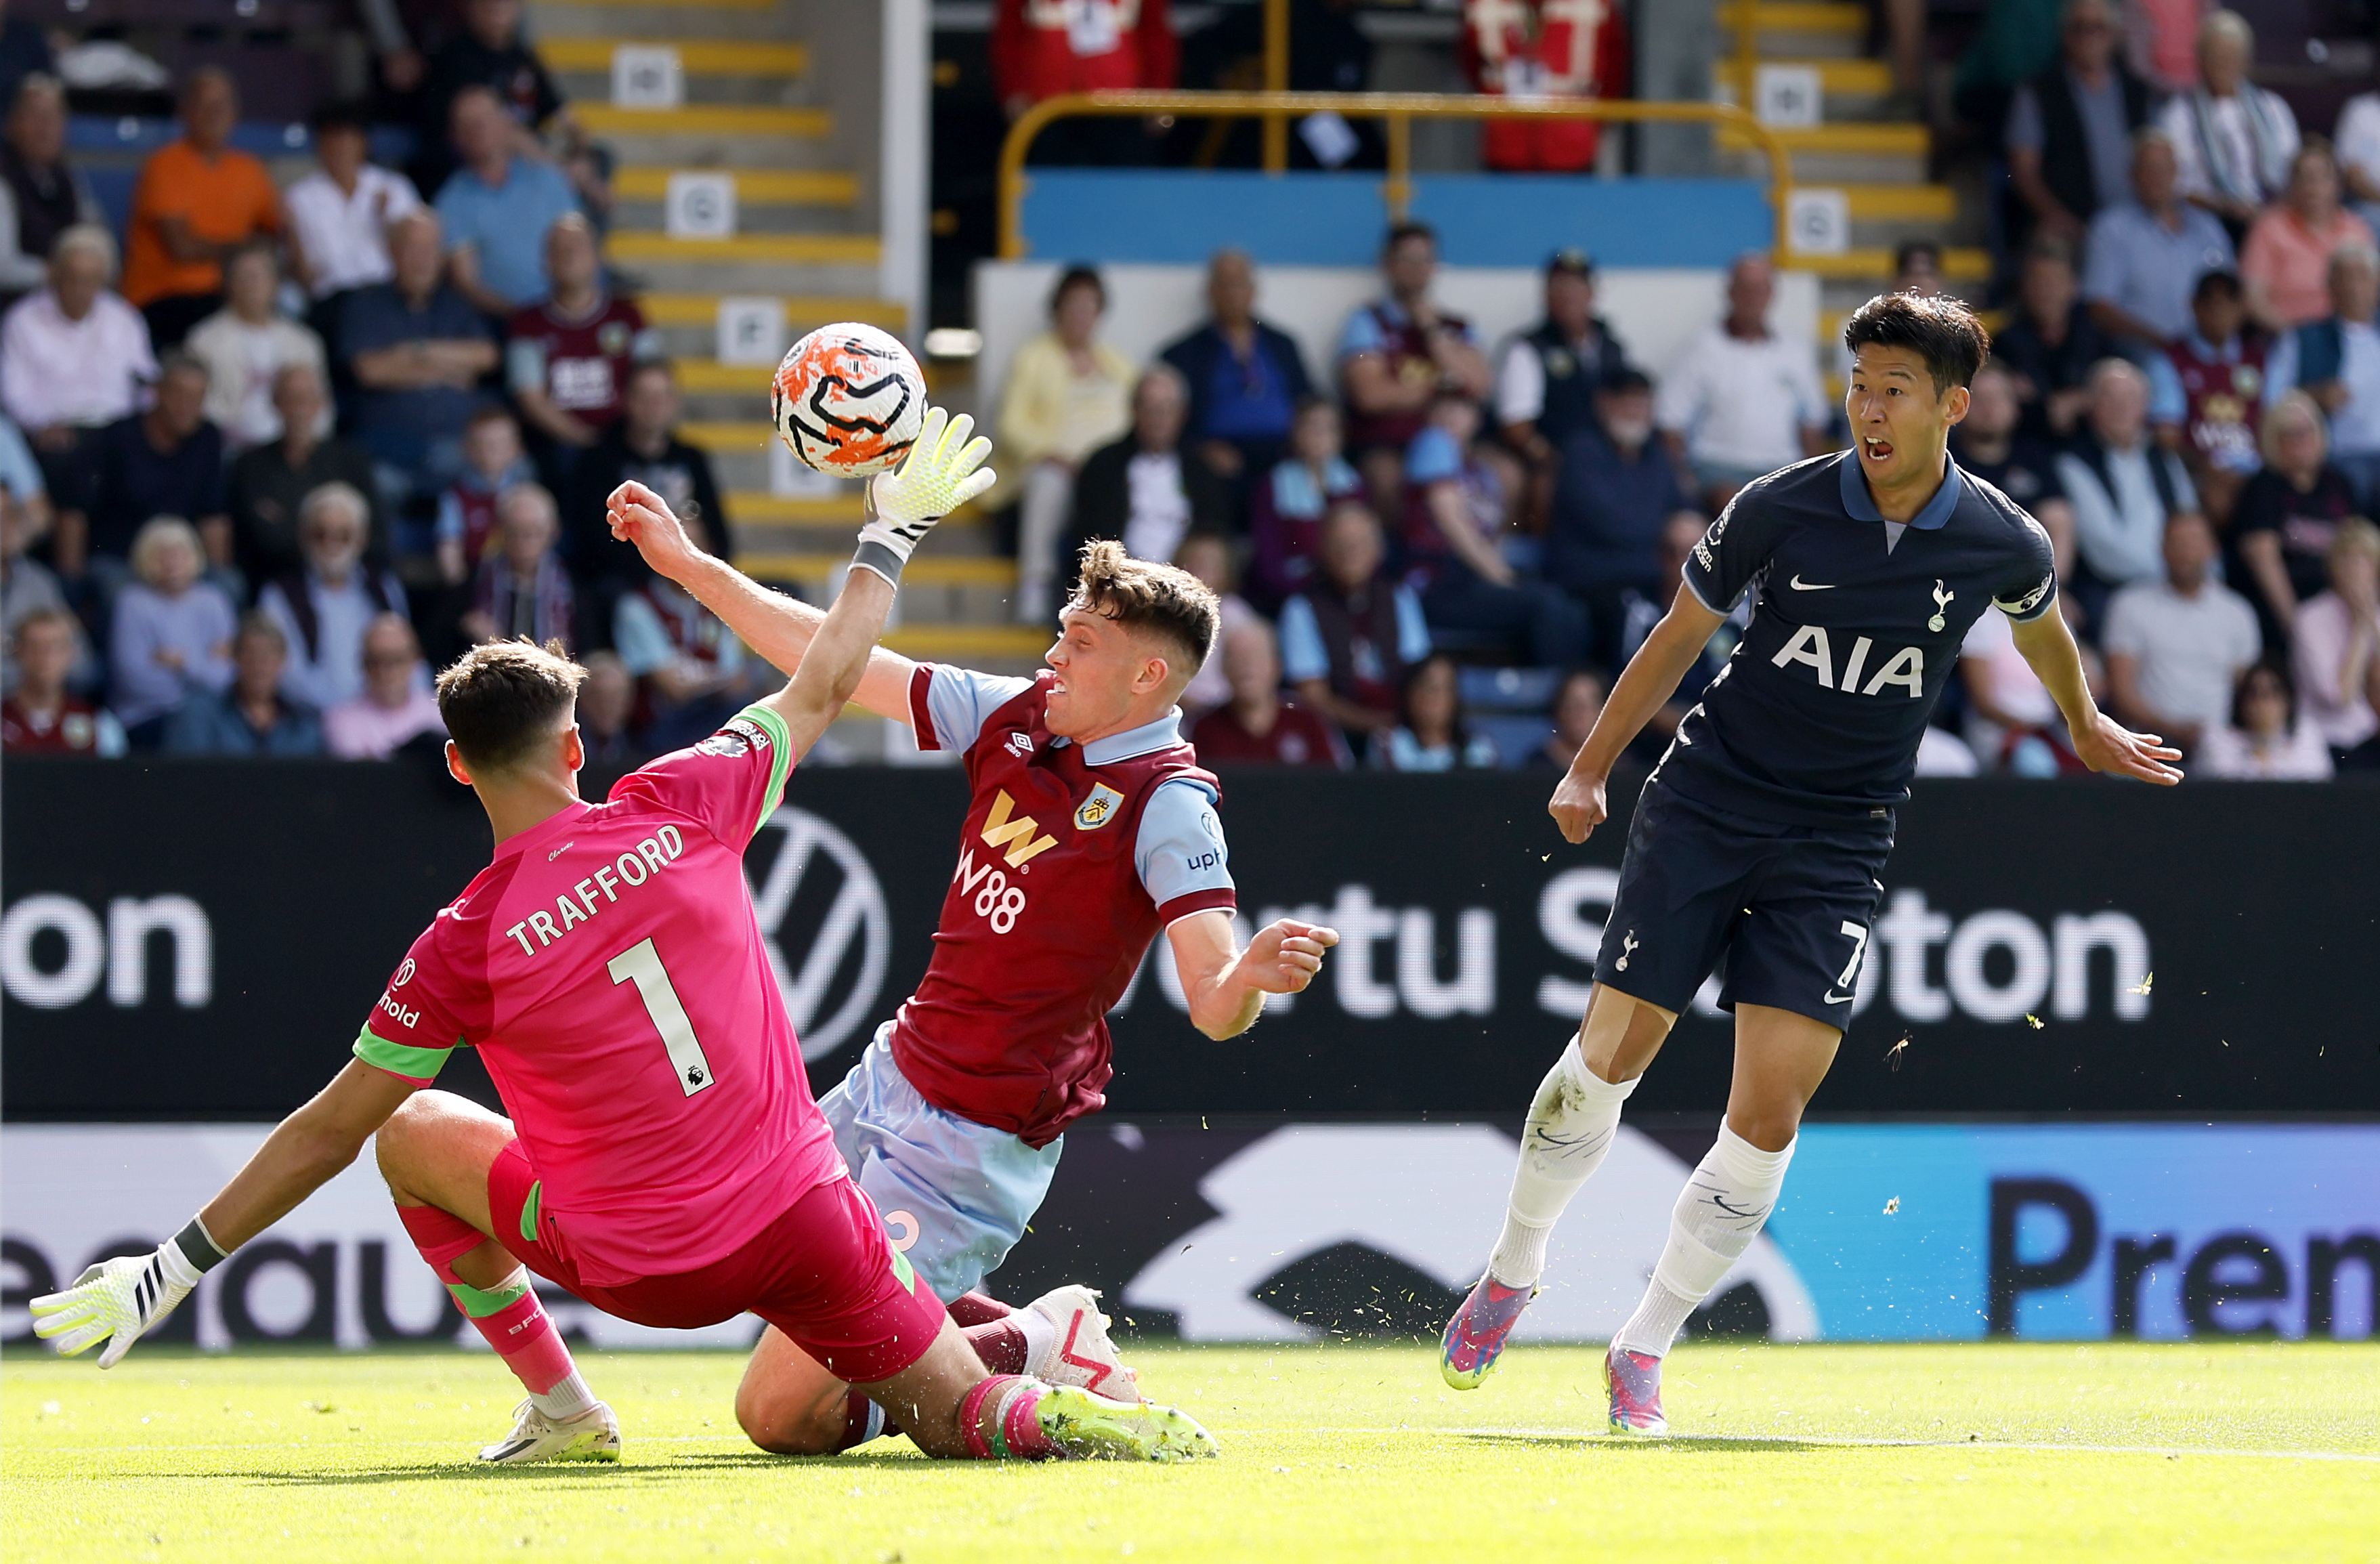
1399	109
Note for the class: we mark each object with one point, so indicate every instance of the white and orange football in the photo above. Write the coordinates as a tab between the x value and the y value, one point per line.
849	400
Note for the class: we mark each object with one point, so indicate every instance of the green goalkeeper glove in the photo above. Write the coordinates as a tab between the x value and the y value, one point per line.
944	470
118	1301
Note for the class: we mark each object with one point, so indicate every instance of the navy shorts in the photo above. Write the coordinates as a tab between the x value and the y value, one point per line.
1782	911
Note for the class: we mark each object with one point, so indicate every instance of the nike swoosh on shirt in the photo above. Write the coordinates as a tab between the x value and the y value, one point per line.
1800	586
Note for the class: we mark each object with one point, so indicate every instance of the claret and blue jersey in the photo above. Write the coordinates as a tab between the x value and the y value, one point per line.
1855	625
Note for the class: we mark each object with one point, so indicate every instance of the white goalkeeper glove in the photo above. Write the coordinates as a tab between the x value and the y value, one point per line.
118	1301
944	470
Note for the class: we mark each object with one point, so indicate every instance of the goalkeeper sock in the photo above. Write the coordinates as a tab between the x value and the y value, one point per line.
1720	1211
508	1315
1573	1120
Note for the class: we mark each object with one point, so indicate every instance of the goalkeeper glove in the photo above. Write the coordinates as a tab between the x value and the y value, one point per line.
117	1301
944	470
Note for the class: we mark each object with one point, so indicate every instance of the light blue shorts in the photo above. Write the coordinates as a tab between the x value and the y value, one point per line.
954	1195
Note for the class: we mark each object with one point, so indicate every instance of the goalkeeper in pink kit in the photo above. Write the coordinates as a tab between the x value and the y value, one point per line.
665	1159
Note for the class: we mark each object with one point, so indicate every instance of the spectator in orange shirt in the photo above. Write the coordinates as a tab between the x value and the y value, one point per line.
2286	262
198	200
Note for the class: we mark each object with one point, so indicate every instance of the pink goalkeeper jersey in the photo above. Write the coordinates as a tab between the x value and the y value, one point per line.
610	970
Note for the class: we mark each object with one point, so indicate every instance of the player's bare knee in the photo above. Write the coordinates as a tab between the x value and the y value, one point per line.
787	1425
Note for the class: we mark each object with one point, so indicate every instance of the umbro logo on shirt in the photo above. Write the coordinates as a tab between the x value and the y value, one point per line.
1020	744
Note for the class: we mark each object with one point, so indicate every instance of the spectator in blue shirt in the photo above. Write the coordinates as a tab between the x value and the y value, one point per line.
1615	490
1433	737
1347	639
1245	378
2146	255
253	717
497	208
417	350
1456	508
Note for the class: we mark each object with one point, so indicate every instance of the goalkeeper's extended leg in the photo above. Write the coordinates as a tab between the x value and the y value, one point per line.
1572	1123
436	1151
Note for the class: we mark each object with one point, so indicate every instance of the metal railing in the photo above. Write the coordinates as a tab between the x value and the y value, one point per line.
1399	110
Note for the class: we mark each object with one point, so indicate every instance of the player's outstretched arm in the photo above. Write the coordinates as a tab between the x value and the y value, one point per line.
1645	687
2100	742
1226	986
943	471
119	1300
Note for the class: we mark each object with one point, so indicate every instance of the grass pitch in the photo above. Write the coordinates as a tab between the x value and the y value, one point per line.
2224	1451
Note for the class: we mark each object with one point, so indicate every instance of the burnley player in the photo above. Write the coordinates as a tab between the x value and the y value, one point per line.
665	1160
1761	835
1090	828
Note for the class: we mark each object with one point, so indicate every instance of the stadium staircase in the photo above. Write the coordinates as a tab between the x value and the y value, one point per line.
763	100
1880	163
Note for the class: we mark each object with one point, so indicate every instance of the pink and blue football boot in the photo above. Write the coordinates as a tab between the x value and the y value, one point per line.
1475	1336
1634	1381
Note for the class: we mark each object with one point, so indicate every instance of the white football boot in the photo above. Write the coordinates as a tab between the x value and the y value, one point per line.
1080	1354
593	1434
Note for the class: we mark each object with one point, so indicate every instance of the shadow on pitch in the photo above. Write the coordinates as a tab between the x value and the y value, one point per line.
1606	1442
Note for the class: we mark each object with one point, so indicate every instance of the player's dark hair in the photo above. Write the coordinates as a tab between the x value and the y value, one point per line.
1941	330
2220	280
1409	228
1140	594
500	698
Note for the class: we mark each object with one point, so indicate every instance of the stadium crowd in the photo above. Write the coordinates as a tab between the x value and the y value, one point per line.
269	454
272	455
1438	556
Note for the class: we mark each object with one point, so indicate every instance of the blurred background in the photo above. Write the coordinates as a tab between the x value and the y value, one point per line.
1431	336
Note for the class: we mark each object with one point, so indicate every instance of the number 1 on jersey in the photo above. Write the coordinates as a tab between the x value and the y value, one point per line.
641	965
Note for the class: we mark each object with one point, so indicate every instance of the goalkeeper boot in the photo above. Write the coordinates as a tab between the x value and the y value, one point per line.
1634	1381
1475	1338
1084	1426
1079	1352
593	1434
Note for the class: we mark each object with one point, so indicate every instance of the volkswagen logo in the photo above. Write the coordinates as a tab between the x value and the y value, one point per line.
820	904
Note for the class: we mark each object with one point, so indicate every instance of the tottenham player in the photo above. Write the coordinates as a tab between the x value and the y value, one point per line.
663	1159
1090	828
1760	836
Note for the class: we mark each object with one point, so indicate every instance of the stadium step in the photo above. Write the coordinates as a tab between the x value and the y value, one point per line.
754	187
706	120
696	56
1853	90
1800	31
1876	265
646	249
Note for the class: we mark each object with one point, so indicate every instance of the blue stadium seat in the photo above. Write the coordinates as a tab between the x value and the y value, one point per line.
1516	738
1509	689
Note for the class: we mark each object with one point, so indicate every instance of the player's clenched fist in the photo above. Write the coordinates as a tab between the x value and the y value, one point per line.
1577	807
1285	954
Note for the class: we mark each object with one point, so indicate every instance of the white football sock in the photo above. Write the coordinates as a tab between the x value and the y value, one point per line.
1571	1122
1719	1212
1040	1339
565	1400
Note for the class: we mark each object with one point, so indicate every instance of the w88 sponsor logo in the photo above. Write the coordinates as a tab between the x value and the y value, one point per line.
996	901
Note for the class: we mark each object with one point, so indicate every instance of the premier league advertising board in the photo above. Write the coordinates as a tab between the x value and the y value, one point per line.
2074	953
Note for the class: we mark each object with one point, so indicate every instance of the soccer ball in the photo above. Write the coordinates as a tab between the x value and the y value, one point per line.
849	400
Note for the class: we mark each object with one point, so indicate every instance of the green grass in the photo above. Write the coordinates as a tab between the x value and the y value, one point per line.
2111	1453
